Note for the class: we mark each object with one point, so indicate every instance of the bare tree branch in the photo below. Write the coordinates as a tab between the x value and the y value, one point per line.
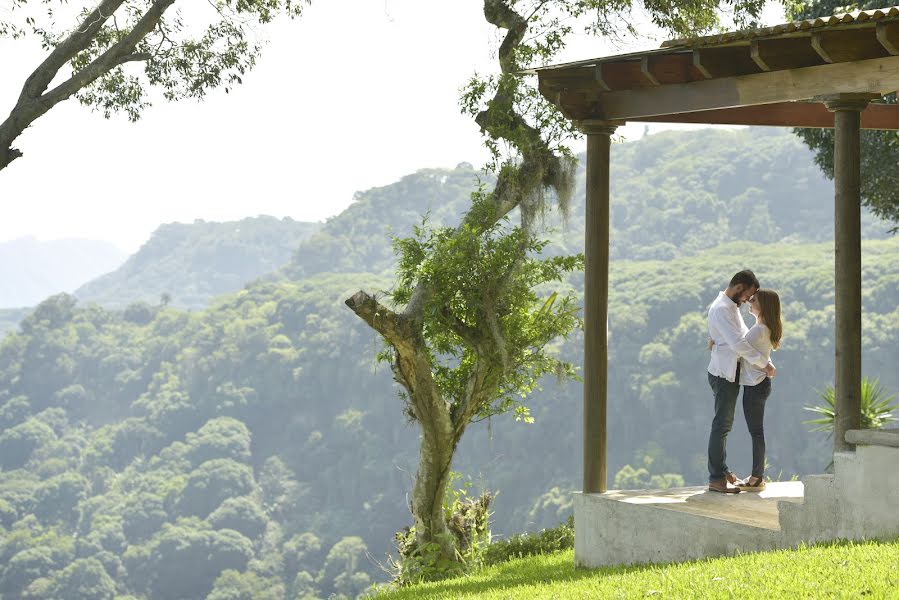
379	317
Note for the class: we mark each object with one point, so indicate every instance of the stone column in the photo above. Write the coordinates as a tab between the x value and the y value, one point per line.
848	266
596	303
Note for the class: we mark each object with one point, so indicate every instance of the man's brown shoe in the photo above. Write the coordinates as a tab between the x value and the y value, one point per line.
722	487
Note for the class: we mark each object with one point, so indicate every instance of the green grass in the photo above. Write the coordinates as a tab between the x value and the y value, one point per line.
838	570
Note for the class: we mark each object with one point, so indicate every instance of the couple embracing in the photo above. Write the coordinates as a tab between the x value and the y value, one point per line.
741	357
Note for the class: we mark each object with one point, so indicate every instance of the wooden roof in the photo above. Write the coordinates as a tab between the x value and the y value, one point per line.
769	76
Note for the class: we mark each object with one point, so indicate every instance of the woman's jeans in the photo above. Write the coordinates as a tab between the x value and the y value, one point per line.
754	397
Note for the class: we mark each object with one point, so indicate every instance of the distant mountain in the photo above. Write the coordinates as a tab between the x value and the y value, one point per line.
194	262
31	270
675	193
358	239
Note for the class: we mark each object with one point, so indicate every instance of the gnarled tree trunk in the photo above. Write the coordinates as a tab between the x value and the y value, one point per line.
442	425
434	461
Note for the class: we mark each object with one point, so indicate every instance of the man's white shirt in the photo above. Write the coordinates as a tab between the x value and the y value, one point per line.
728	330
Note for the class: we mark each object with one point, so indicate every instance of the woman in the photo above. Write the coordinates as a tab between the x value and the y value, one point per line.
764	336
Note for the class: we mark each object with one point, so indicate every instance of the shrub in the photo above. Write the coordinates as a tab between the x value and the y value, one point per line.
876	407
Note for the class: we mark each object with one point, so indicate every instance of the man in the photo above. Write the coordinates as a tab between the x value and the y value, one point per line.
727	331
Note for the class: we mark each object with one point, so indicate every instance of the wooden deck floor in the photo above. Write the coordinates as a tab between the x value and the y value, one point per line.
747	508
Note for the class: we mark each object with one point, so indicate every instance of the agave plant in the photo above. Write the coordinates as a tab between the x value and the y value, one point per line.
877	407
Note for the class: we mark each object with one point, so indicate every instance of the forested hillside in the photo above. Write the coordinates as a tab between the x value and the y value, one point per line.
193	262
257	445
673	194
31	269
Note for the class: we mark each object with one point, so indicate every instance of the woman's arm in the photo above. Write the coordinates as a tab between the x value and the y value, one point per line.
759	337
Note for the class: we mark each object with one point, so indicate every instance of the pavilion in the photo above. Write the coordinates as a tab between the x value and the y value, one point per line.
829	73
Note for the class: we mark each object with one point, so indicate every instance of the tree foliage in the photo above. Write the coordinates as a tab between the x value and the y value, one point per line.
879	149
111	53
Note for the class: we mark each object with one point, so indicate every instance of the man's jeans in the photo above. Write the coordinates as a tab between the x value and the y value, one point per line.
754	397
726	393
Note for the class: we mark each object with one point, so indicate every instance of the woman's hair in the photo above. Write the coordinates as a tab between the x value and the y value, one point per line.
769	308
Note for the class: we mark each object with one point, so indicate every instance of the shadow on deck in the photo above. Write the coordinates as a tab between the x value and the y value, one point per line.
752	509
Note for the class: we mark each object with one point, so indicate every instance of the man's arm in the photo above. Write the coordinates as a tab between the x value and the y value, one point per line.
727	325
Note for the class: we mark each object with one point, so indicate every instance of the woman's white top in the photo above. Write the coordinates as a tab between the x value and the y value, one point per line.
759	337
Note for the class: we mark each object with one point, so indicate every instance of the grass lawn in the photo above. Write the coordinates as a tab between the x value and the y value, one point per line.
841	570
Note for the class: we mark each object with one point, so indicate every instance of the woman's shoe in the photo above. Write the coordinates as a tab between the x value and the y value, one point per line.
753	484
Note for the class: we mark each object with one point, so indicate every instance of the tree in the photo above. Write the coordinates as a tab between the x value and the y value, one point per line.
184	560
302	551
57	498
222	437
213	482
240	514
84	579
466	333
232	585
114	51
879	149
19	442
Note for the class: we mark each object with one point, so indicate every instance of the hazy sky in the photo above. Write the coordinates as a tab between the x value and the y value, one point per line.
355	94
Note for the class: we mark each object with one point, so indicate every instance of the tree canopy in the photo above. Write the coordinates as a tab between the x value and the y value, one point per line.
879	149
110	54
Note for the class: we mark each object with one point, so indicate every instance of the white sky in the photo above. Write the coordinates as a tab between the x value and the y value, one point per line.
355	94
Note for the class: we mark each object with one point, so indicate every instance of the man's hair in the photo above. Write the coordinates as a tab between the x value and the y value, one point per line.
747	278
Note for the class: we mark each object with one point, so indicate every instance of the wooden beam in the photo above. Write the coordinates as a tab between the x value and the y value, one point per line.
844	45
647	72
600	81
888	36
574	104
666	69
879	75
724	62
624	75
783	114
784	53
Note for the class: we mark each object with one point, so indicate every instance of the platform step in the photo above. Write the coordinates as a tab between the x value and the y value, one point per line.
818	488
844	463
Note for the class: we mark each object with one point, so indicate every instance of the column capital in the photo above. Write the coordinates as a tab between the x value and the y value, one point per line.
854	102
598	126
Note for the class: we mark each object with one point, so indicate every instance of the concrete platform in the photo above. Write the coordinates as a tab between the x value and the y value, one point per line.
660	526
859	501
749	508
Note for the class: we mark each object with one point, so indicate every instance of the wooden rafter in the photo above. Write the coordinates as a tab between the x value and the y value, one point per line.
724	62
784	53
888	36
785	65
